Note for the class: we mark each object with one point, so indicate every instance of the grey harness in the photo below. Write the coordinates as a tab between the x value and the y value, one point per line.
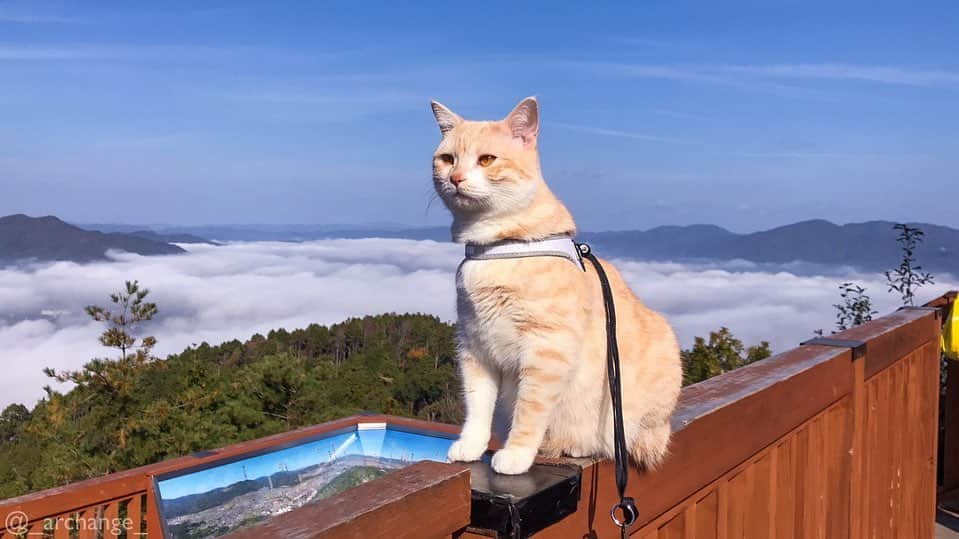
561	246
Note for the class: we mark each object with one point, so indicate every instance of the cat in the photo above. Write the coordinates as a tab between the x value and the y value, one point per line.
531	332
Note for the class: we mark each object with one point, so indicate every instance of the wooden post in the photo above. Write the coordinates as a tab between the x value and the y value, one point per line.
856	480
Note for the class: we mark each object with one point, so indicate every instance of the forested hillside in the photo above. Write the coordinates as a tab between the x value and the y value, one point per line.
125	414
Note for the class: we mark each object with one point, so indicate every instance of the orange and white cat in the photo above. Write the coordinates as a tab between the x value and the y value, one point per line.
531	331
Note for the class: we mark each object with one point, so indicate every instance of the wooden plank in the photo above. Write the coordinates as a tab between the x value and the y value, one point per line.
737	504
876	478
800	468
857	428
88	523
722	518
895	438
786	488
110	523
928	387
689	526
758	496
839	440
61	529
422	501
910	498
134	514
706	516
674	529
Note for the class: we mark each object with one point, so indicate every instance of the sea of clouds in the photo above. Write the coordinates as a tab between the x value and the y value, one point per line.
219	293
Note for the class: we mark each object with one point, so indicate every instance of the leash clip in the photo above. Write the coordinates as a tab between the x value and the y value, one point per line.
630	512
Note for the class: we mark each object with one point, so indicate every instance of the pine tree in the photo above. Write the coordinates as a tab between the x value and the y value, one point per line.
722	353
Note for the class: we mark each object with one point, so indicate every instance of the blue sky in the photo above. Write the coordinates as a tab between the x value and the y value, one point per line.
744	114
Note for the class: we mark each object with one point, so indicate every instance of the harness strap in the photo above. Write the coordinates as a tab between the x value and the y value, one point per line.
559	246
626	504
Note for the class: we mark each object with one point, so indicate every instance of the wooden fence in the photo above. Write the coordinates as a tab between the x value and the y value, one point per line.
829	440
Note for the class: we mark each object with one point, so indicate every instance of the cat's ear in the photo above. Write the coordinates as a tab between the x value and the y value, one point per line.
446	118
524	121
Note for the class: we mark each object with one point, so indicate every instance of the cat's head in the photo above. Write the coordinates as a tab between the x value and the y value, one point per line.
487	169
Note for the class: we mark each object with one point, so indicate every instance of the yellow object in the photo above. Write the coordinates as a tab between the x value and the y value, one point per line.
950	334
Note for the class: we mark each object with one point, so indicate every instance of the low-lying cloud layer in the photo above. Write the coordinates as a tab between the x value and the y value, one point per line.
215	294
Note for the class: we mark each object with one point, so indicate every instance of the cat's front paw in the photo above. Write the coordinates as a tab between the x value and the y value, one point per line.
513	460
466	450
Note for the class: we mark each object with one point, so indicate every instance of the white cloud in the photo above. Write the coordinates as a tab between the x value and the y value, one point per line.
610	132
773	78
216	294
864	73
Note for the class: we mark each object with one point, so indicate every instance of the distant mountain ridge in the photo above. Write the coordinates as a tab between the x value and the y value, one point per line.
48	238
869	246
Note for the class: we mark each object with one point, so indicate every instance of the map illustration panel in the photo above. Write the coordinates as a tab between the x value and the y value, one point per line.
215	501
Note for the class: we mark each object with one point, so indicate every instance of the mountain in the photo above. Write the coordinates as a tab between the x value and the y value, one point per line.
49	238
287	233
169	238
869	246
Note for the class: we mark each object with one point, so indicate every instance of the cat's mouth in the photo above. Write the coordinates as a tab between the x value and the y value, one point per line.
463	200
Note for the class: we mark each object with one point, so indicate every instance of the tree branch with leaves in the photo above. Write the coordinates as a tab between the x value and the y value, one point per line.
909	276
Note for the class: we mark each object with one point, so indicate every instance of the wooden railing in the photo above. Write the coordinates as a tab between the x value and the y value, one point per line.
833	439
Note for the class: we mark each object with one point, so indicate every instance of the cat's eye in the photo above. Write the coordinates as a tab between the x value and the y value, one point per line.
486	160
446	158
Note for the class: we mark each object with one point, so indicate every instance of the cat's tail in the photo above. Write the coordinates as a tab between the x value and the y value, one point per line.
651	446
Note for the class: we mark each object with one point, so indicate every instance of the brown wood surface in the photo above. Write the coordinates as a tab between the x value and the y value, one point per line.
133	517
422	501
899	458
893	336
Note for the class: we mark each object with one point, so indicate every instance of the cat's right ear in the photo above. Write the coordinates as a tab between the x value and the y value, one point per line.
446	118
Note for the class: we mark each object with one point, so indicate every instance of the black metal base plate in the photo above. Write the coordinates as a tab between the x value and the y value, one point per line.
517	506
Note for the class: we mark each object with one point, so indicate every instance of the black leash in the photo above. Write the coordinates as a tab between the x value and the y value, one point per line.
626	504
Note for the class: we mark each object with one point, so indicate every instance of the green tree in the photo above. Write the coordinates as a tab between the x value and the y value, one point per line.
112	382
856	307
12	420
909	276
721	353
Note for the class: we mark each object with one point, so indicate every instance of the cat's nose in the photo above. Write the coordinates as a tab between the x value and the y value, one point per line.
457	178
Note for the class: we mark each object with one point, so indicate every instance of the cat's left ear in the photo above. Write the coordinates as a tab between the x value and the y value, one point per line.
524	121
